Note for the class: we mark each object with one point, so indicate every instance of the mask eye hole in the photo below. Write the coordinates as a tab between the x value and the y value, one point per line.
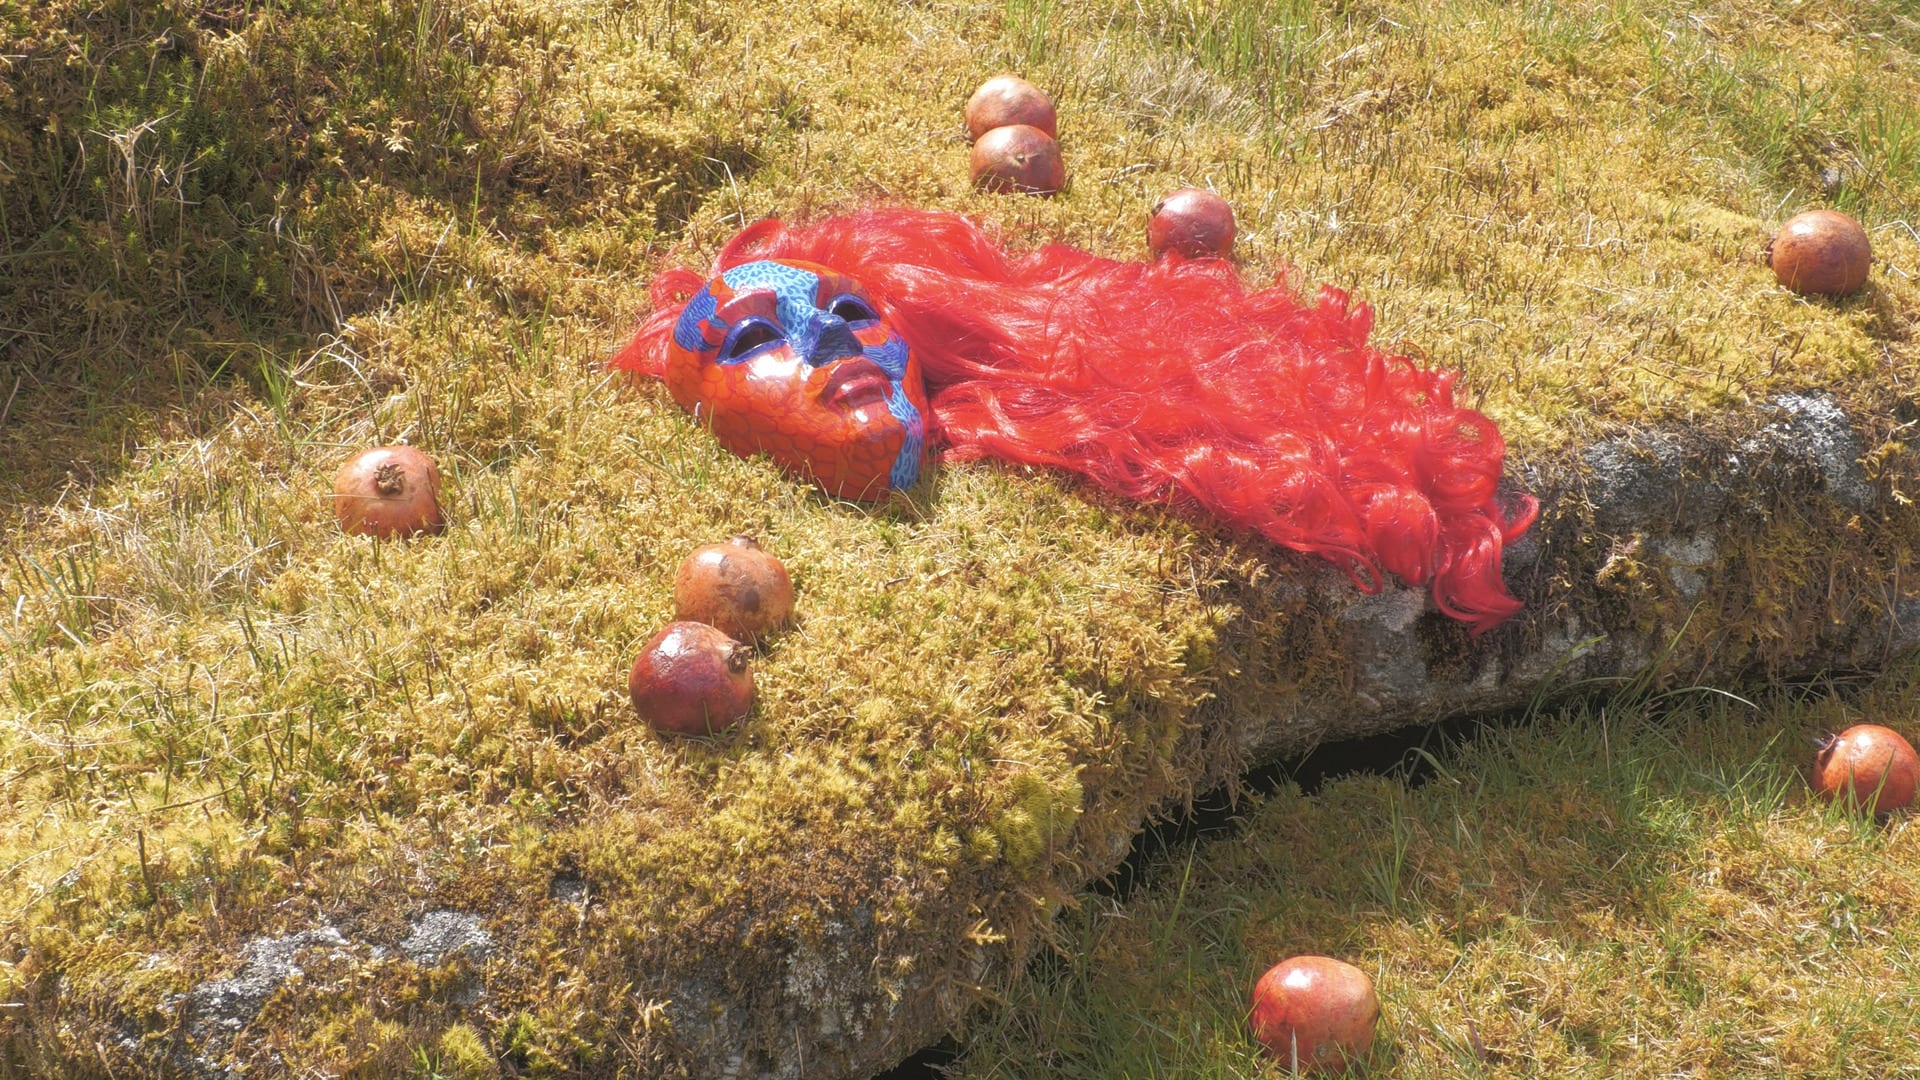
852	309
747	339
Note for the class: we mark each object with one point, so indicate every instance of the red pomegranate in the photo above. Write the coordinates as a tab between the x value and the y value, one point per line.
389	491
1314	1012
1821	252
1192	221
691	679
1010	99
1869	767
738	588
1018	158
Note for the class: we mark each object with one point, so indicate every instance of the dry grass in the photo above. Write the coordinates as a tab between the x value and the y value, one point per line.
223	719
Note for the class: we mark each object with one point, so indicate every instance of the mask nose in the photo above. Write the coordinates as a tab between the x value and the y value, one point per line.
827	338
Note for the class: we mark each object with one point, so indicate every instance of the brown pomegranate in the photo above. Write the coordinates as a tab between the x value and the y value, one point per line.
389	491
1314	1013
1192	221
737	587
1821	252
691	679
1869	767
1018	158
1009	99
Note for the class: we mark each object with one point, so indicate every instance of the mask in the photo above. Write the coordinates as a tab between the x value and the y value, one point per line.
792	360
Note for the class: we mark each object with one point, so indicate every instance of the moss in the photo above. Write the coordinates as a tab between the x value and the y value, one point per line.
1040	815
204	189
464	1054
525	1046
225	720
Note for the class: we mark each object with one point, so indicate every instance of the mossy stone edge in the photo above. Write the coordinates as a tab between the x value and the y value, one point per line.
1761	546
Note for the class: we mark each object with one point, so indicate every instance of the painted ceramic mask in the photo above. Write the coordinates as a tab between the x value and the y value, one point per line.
792	360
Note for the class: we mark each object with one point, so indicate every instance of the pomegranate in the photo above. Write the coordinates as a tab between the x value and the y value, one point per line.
1869	766
1313	1012
1018	158
389	491
1192	221
691	679
1821	252
1009	99
738	588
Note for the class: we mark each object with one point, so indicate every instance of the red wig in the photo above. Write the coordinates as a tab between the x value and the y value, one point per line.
1168	380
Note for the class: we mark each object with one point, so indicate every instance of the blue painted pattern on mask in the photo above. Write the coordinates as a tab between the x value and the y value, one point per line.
891	358
796	292
700	309
823	338
906	466
891	355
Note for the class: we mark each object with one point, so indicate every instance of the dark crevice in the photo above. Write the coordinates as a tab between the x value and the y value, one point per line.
928	1064
1405	754
1408	754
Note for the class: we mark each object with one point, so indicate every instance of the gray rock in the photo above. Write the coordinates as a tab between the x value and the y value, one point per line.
1632	478
1638	533
1687	559
230	1004
568	888
441	935
1902	624
1810	430
1381	626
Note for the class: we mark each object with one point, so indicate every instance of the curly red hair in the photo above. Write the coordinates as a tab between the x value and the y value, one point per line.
1169	380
